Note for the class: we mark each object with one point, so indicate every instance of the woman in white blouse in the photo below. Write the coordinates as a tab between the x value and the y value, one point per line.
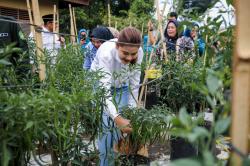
119	60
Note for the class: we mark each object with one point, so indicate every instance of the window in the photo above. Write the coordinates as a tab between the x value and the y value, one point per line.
18	14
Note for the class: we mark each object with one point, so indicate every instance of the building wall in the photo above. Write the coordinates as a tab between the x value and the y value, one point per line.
46	6
13	6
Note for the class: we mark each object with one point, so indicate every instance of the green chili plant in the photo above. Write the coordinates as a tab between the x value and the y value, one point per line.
55	115
149	126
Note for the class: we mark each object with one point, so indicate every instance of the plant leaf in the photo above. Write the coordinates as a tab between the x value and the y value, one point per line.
186	162
208	159
29	125
213	83
184	117
6	155
4	62
222	125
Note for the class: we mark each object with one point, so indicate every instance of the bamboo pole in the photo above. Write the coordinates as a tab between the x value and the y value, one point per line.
145	97
149	62
159	16
30	16
115	24
142	29
38	38
205	56
72	29
241	83
58	23
74	19
54	26
109	15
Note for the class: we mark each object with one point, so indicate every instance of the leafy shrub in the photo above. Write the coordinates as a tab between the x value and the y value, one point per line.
176	87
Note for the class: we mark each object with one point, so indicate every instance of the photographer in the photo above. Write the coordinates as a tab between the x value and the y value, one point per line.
82	38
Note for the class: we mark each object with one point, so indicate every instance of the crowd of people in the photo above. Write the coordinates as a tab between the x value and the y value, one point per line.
110	51
180	45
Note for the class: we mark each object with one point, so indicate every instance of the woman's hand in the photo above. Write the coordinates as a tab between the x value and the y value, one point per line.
123	124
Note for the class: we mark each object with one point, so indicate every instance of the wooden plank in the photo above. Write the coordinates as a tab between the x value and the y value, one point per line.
243	33
241	83
38	38
82	2
241	109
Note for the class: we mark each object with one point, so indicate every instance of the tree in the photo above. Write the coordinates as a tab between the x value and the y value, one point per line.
123	12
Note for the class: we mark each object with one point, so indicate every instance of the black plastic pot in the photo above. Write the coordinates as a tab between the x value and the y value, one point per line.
180	148
153	93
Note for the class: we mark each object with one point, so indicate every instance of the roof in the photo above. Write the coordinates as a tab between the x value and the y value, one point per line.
79	2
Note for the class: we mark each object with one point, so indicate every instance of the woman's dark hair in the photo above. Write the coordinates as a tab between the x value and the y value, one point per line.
166	29
129	36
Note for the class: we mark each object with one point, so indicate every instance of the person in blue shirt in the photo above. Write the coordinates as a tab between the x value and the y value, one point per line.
98	36
147	47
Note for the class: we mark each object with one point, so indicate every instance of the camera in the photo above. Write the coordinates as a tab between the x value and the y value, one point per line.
83	37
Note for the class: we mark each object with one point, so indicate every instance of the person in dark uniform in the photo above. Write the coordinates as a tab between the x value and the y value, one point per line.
11	34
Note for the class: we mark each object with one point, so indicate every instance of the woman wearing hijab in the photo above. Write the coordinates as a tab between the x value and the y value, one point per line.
171	36
185	47
98	36
190	40
82	38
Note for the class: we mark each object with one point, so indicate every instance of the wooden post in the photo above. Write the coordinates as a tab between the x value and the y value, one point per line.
54	26
74	21
38	38
72	29
241	83
30	17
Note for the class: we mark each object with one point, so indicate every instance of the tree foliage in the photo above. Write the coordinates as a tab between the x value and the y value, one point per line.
123	13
